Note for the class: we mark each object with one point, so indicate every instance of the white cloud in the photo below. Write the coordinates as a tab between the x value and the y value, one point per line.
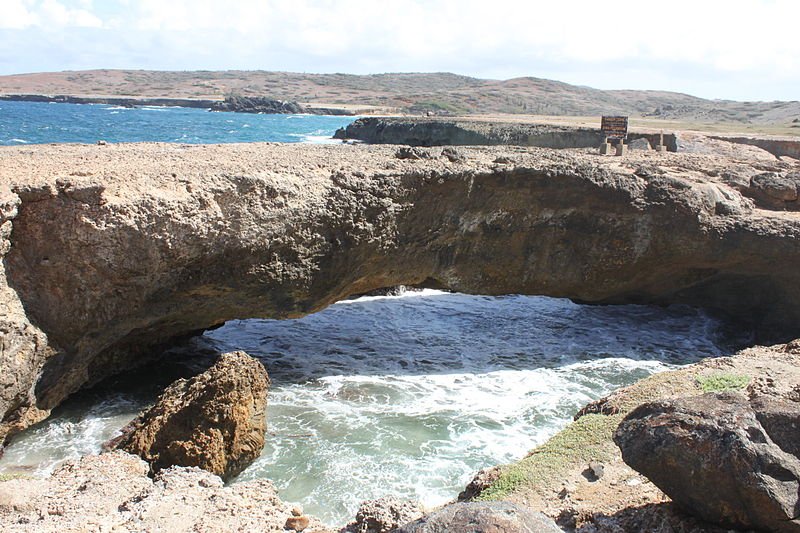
46	14
693	43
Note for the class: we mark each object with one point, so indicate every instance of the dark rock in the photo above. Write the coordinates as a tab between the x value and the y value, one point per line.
215	421
723	458
384	515
258	104
596	470
483	517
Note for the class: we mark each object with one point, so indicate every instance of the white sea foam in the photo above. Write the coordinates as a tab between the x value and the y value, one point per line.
411	394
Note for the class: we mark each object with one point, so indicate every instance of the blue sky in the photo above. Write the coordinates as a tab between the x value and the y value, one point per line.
736	49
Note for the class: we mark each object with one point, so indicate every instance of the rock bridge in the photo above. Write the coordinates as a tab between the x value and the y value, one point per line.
109	251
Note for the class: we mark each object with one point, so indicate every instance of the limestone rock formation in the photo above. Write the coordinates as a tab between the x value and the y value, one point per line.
722	457
483	517
215	421
112	492
109	252
384	515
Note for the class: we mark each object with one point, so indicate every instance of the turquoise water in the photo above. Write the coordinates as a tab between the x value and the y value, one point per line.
36	123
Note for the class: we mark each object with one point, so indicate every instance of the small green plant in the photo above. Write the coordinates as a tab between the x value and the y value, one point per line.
722	382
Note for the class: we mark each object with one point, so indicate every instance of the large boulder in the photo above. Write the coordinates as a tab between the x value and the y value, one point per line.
482	517
723	457
215	421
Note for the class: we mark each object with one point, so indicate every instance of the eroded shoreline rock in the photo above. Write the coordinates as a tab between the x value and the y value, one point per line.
108	251
215	421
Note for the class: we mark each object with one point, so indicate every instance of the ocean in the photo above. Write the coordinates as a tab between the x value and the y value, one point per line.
37	123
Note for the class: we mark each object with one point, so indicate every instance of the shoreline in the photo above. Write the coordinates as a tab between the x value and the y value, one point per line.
192	103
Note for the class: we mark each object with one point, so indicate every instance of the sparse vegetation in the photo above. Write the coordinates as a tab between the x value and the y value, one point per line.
586	439
722	382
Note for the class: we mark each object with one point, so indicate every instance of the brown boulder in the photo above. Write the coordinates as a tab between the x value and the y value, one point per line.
723	458
215	421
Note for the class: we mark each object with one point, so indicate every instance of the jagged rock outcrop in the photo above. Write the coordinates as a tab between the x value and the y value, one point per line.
722	457
482	517
110	251
215	421
112	492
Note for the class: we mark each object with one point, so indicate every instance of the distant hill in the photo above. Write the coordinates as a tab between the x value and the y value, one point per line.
442	93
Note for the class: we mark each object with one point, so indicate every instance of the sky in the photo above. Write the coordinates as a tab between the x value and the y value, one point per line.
727	49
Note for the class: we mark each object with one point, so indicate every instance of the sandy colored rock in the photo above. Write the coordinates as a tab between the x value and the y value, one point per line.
113	492
215	421
108	252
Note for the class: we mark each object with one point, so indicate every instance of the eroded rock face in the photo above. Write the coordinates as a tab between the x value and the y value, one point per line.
112	492
483	517
215	421
109	251
722	457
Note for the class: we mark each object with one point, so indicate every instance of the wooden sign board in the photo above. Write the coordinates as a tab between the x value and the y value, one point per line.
614	127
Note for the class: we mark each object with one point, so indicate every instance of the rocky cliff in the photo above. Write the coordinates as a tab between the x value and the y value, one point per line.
109	251
433	131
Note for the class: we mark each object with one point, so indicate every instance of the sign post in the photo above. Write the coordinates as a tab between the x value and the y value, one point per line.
615	128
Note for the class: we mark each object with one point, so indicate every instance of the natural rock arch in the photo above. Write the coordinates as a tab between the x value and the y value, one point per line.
111	250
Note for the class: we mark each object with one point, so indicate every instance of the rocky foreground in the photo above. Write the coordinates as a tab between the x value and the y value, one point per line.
719	438
110	251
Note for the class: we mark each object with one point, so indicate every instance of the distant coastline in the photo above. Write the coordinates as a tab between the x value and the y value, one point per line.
234	104
112	100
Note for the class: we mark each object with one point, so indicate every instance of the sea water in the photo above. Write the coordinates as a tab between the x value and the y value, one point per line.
409	395
40	122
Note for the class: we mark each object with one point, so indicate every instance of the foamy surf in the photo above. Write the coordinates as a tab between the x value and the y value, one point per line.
411	394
